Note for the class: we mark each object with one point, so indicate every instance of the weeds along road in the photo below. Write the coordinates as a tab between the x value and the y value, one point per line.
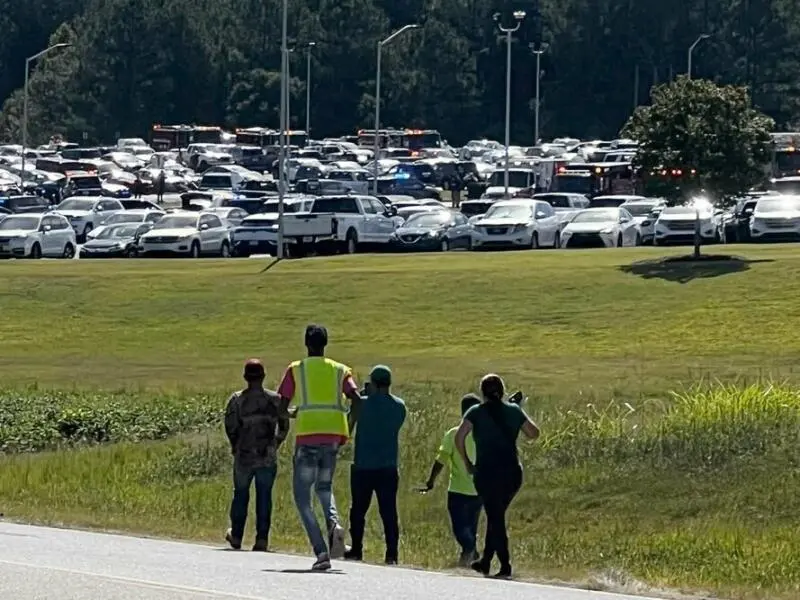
40	563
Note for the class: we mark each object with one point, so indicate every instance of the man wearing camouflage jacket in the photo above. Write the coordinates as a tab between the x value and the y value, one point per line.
256	428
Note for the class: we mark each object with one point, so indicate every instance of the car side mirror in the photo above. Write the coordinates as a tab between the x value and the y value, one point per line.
204	226
47	228
540	215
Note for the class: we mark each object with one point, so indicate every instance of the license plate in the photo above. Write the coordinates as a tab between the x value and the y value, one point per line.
254	242
308	240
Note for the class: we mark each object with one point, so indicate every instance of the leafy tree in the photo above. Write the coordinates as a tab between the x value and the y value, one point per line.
697	127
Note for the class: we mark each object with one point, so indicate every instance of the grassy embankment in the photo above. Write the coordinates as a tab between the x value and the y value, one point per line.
694	491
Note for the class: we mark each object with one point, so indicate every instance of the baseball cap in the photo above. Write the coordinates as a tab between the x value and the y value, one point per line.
381	375
253	369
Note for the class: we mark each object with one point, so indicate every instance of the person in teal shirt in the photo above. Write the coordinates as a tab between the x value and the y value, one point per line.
375	461
495	425
463	502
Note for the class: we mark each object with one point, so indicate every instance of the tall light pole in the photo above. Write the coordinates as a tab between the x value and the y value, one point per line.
519	15
28	62
702	37
538	54
283	125
381	44
309	46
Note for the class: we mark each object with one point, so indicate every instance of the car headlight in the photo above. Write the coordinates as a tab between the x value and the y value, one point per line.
607	231
433	233
519	228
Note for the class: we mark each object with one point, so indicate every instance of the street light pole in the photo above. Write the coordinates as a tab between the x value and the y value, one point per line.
702	37
28	62
381	44
283	126
538	54
519	15
309	46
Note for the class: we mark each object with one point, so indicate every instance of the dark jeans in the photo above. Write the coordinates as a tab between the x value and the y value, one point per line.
383	482
465	511
242	478
497	489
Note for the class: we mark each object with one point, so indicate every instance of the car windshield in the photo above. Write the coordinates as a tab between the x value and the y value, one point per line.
24	223
120	231
554	200
778	204
686	211
596	216
125	217
516	179
502	211
177	222
76	204
639	210
430	219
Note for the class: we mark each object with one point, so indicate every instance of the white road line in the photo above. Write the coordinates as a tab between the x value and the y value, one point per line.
132	581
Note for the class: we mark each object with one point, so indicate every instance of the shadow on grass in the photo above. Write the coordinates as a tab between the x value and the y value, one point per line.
304	571
683	269
274	262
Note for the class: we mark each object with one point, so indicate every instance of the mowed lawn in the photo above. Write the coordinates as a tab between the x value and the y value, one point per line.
630	487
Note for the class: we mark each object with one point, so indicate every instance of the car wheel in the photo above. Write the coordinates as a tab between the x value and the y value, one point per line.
36	252
445	245
69	251
352	242
225	250
131	253
194	249
638	241
535	241
619	241
557	240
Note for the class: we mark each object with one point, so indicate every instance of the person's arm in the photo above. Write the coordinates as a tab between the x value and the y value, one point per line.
286	392
461	446
232	422
350	390
283	422
529	428
436	468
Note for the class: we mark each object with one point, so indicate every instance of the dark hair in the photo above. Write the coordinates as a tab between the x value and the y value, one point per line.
493	388
316	337
468	401
254	370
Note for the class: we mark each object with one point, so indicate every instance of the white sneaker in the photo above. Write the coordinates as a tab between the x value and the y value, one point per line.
337	545
323	563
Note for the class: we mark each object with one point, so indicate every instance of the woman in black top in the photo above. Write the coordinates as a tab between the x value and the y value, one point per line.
497	472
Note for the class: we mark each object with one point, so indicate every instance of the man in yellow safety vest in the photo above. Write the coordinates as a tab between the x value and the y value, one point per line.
317	387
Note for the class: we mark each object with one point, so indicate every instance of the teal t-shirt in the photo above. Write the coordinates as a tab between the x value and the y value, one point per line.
495	429
379	423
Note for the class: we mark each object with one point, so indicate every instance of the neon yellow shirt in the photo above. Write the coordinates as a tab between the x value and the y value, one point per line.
460	479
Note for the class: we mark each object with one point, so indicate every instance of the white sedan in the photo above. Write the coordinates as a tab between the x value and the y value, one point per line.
85	213
187	234
35	236
517	224
601	228
119	217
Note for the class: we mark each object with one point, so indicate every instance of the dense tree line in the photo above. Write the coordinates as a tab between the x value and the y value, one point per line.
135	62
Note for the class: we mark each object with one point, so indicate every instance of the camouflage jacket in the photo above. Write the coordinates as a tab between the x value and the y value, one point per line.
255	427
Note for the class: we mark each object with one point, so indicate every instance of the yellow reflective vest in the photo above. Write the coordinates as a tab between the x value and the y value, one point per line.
321	407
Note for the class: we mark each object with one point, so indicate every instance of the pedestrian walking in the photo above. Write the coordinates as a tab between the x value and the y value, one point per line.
161	185
318	387
137	187
495	425
463	502
256	427
374	469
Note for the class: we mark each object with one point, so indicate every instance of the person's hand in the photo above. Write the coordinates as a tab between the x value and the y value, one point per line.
292	410
470	468
424	489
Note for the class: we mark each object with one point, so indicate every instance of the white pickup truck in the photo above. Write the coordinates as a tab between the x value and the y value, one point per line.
337	224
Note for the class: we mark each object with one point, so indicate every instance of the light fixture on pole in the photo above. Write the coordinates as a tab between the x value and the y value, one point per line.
519	15
381	44
309	46
28	62
702	37
283	125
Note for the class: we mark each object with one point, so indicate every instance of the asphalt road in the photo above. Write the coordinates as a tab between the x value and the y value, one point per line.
40	563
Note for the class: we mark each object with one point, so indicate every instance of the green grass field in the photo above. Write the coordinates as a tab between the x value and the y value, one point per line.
667	460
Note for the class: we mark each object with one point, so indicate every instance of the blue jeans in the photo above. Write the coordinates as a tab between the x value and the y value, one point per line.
314	466
464	514
242	478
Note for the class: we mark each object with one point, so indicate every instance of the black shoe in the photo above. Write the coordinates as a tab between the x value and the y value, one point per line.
236	544
481	567
260	546
390	560
353	554
504	572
